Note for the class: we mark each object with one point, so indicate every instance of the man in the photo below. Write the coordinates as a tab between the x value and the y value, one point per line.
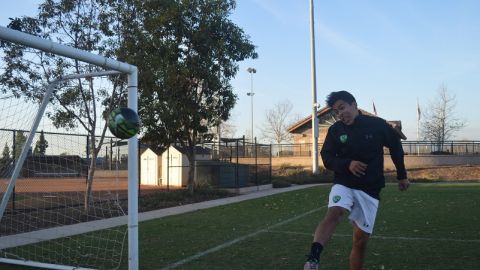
353	149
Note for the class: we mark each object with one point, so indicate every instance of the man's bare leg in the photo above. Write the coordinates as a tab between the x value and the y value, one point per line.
327	226
359	248
323	233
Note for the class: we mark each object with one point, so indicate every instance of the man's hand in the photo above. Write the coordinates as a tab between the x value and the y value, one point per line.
357	168
403	184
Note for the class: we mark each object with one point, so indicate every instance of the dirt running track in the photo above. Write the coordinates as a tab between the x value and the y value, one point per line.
34	185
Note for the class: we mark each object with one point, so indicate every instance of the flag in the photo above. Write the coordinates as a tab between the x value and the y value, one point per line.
419	113
374	109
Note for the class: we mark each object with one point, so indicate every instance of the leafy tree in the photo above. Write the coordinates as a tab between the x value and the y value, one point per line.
440	122
83	24
6	152
5	161
6	158
41	146
20	140
277	122
189	53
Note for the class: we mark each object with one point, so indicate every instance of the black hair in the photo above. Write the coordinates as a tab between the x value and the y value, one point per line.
340	95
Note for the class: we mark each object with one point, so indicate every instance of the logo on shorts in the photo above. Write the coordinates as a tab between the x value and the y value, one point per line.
343	138
336	198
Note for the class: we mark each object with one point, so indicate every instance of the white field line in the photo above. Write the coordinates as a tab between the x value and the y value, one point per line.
239	239
381	237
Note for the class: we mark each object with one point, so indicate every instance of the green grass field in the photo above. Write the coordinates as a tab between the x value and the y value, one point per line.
432	226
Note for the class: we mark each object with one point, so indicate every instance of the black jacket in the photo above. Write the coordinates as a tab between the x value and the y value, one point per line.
363	141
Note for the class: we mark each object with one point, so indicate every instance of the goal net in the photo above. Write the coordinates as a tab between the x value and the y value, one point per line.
49	218
50	192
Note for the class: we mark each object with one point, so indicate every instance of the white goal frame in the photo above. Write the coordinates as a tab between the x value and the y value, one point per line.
113	67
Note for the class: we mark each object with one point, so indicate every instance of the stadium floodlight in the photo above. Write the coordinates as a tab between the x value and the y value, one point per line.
251	94
315	169
114	67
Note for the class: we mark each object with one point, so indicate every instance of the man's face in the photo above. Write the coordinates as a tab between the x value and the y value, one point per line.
345	112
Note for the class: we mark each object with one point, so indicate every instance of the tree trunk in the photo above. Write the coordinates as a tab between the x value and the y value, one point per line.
91	172
191	171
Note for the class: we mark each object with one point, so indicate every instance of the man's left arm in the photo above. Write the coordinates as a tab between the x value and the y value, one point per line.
396	153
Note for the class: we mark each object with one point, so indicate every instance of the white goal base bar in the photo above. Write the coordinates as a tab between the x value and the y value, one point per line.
34	237
41	265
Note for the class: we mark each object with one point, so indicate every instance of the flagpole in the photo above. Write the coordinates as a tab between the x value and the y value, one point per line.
418	149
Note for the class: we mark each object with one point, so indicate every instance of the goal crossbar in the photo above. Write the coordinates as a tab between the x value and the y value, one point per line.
32	41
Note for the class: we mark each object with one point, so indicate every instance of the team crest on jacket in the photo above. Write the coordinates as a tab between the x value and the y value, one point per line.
336	198
343	138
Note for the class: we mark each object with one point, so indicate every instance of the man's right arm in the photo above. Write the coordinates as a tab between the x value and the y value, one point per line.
330	157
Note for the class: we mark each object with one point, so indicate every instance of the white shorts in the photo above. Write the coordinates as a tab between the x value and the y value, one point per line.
362	207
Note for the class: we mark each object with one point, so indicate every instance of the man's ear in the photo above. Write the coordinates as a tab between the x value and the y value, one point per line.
354	103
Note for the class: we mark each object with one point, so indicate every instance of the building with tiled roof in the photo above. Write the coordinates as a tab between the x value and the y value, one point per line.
302	130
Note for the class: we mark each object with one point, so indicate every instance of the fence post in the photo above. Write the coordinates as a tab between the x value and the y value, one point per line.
168	168
88	155
270	171
236	169
139	170
244	152
256	161
104	165
111	153
14	161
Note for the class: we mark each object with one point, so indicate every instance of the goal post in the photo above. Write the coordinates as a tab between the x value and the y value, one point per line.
113	66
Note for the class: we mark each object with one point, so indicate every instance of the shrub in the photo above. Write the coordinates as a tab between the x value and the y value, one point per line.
163	199
298	175
440	153
280	183
285	166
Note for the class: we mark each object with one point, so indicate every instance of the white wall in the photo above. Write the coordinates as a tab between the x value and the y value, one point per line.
149	171
172	162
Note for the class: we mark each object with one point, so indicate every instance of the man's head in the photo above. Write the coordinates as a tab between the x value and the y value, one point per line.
344	106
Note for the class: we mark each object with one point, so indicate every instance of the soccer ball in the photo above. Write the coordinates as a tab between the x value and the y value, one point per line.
123	123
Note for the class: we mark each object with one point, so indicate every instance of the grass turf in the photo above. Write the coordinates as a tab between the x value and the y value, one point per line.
432	226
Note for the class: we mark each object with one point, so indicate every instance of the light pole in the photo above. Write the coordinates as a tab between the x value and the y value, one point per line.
251	93
315	169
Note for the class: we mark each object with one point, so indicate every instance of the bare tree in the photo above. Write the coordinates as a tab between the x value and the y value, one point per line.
277	122
440	122
227	129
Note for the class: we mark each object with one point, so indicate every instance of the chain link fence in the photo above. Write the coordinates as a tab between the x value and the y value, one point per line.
409	147
235	164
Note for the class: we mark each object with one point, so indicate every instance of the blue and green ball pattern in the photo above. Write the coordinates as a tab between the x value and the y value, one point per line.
123	123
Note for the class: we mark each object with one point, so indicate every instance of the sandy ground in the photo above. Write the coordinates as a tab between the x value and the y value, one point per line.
69	184
443	173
